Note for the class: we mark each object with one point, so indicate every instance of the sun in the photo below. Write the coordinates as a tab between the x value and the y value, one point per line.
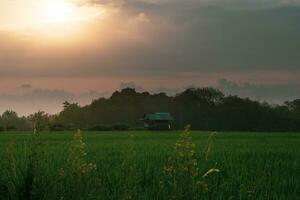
50	21
58	12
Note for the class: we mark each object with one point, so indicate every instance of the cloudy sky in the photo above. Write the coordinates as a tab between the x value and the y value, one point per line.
51	50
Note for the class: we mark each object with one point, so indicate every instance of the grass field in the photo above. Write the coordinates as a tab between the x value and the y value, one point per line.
132	165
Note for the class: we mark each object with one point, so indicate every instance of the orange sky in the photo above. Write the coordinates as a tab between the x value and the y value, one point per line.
96	45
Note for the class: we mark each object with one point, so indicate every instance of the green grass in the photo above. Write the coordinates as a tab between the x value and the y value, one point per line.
131	165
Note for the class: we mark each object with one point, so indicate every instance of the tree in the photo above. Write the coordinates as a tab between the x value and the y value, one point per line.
72	115
10	119
40	120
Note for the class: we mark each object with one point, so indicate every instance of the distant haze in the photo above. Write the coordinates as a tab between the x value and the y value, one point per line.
245	47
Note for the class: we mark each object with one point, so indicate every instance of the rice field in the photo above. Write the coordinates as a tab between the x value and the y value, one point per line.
149	165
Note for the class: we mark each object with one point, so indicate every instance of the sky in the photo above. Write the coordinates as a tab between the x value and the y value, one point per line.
79	50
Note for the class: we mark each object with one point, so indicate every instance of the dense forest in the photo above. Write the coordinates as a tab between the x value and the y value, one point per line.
203	108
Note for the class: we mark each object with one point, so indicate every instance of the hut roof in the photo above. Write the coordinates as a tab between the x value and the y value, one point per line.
159	116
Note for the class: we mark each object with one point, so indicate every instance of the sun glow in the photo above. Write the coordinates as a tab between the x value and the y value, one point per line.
58	12
48	19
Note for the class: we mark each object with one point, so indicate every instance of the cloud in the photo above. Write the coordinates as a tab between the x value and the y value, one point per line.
197	36
163	39
25	86
273	93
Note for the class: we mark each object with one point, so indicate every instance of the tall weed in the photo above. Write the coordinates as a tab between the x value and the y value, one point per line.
78	175
182	178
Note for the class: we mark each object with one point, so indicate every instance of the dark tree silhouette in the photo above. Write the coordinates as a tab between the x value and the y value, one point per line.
203	108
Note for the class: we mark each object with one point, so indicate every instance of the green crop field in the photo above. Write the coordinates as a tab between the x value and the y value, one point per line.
145	165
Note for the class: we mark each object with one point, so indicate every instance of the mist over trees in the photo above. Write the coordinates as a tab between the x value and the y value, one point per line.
203	108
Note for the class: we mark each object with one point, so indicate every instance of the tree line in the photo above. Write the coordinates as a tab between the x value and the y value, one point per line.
203	108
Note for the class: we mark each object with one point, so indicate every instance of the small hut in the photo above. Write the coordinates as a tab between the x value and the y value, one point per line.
158	121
